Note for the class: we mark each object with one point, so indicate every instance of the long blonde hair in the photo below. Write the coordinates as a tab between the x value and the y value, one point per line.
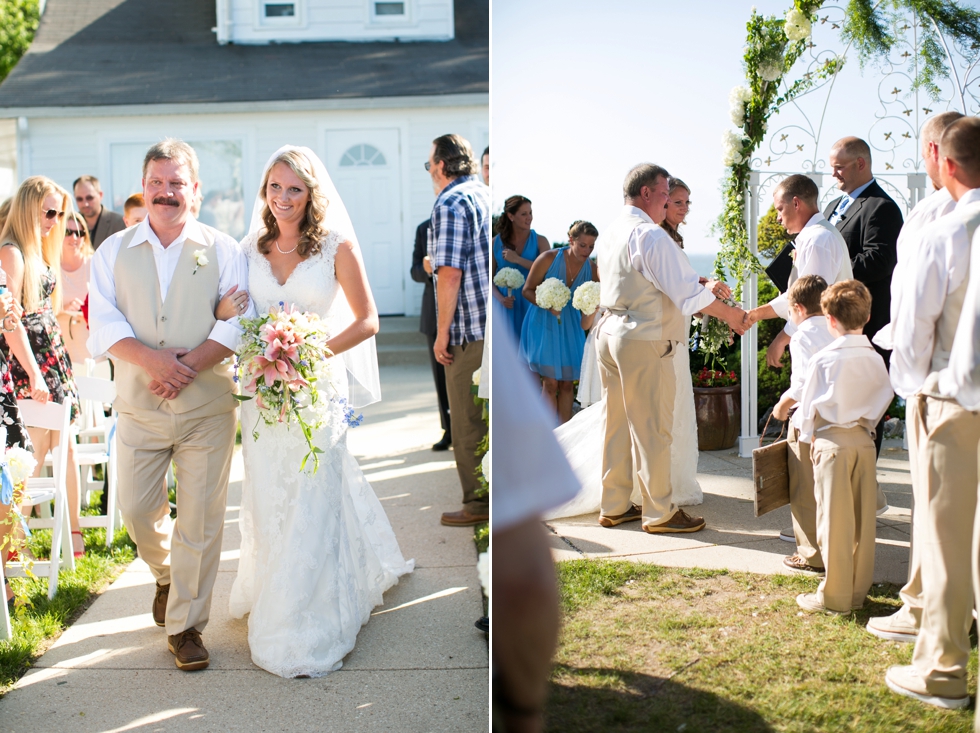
23	230
311	230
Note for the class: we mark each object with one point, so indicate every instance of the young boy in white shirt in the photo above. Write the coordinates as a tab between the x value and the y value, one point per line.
811	335
845	393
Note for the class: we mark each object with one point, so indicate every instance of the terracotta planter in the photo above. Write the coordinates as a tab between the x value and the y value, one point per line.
719	416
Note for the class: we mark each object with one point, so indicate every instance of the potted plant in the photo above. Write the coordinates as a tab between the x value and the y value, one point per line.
717	395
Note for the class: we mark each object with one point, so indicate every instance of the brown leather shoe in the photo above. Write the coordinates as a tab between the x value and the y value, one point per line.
160	604
189	650
796	562
630	515
463	518
680	522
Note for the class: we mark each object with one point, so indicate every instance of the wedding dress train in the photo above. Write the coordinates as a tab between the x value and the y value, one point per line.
317	550
582	439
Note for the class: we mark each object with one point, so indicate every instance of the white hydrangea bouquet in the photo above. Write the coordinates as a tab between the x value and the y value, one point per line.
284	363
586	298
510	278
16	466
552	294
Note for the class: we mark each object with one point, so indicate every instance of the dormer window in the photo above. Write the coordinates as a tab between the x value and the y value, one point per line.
279	13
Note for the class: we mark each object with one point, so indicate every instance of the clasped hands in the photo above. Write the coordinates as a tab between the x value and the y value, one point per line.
168	373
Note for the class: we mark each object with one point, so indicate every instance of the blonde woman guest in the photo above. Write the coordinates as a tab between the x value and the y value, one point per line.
30	254
76	259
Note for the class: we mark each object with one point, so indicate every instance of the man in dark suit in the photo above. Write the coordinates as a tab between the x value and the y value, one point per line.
869	220
422	273
101	222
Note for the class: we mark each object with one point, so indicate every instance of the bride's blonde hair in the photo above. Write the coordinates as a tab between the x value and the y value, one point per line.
23	230
311	230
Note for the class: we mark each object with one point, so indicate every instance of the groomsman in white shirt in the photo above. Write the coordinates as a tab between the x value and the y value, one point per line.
819	250
904	625
947	436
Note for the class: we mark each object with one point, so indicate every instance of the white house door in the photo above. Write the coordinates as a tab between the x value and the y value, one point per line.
364	165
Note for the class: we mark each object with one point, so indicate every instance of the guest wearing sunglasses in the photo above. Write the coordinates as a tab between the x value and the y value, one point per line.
101	222
30	254
76	258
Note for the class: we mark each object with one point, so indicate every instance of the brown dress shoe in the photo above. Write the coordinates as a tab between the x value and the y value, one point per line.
189	650
160	604
463	518
796	562
630	515
680	522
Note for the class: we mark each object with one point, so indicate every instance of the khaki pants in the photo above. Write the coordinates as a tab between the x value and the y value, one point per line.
947	439
638	386
185	552
845	487
910	614
802	500
466	420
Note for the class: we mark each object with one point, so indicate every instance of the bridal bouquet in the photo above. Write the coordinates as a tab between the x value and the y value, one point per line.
586	298
510	278
284	361
552	294
16	466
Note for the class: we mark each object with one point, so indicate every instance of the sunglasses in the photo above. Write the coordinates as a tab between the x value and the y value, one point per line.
427	165
52	213
73	233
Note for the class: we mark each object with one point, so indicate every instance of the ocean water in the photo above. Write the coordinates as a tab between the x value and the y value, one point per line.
704	264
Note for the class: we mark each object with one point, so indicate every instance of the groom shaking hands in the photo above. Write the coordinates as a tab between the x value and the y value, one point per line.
152	297
649	291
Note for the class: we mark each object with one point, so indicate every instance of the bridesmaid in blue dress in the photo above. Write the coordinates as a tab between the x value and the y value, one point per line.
554	349
516	245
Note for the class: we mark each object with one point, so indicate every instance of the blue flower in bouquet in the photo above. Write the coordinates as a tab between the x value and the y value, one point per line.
349	417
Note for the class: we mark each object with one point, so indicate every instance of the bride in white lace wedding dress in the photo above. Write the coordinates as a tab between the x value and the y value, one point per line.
317	550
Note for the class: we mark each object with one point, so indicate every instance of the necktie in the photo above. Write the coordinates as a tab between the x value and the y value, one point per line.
845	201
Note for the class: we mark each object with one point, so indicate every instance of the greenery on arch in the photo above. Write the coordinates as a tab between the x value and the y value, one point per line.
774	45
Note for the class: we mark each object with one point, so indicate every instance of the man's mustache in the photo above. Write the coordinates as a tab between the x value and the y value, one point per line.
165	201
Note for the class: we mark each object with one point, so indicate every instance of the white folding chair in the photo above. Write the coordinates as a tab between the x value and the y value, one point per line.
39	491
5	631
94	393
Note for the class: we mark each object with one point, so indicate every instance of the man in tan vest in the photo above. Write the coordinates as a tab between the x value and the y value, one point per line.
152	296
649	291
944	435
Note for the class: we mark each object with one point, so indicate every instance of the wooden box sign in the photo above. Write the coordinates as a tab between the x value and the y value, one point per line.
770	476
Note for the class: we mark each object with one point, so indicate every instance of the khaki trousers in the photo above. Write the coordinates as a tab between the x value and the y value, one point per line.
947	439
845	486
466	421
802	500
910	614
184	552
638	386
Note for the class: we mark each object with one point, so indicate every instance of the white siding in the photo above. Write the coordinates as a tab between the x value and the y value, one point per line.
65	148
336	20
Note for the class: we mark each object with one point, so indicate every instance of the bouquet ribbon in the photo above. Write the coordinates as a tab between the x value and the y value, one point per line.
6	484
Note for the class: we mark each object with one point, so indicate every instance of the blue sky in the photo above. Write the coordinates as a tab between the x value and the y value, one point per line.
580	95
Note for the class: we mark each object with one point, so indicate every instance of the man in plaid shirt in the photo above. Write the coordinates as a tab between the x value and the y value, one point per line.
459	250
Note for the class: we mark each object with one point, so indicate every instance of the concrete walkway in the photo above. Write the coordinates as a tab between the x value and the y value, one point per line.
419	664
734	538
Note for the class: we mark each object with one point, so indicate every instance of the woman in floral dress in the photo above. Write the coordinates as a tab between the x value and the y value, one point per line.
30	254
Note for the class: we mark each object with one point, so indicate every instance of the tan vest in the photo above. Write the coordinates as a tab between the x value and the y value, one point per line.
950	317
183	320
637	310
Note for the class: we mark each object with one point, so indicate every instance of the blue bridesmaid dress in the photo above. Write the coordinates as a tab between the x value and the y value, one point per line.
552	349
515	315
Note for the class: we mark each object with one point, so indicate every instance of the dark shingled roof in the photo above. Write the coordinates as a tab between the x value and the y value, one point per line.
126	52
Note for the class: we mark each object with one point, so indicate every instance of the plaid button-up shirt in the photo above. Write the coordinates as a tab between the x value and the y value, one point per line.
460	238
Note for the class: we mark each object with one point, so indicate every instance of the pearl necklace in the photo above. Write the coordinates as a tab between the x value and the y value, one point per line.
288	251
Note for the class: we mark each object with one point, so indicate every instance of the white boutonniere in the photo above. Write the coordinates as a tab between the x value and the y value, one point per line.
792	255
201	259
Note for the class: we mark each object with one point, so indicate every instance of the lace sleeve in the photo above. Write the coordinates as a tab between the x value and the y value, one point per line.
250	246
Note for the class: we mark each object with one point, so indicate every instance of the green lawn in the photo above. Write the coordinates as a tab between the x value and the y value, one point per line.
37	621
650	648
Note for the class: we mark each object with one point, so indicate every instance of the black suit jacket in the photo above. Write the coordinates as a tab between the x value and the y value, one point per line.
427	321
870	226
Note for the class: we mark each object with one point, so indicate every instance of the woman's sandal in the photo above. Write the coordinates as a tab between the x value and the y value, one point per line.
76	552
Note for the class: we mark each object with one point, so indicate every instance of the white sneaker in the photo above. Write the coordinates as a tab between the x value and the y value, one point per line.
809	602
906	681
882	510
788	535
890	629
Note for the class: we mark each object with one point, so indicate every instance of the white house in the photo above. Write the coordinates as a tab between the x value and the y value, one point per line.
365	83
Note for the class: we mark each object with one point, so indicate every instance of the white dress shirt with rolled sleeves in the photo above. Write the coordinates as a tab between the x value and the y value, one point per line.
961	379
936	263
820	250
928	210
846	384
658	258
107	323
811	336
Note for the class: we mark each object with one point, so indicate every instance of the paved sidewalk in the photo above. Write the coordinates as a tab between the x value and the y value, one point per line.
419	664
734	538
